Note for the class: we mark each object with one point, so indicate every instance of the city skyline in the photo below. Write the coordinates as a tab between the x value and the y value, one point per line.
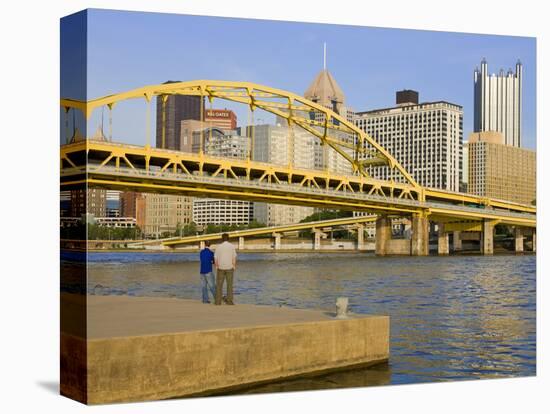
338	221
370	64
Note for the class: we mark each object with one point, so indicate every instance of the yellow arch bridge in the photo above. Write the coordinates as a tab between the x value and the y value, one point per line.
106	164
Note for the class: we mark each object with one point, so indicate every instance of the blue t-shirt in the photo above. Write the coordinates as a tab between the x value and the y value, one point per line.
207	258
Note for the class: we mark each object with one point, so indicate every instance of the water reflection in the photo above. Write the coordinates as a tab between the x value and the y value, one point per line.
452	318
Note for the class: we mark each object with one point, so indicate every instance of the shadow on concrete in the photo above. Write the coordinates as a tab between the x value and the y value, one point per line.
51	386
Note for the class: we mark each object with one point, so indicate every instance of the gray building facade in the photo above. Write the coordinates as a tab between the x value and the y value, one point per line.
498	102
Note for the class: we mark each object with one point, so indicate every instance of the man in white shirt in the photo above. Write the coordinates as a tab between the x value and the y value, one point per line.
225	260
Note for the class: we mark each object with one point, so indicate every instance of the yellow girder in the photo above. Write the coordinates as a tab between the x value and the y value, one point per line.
144	169
270	230
482	214
464	198
246	93
180	159
293	108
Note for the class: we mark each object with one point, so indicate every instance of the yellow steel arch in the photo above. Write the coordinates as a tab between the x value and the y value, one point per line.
331	128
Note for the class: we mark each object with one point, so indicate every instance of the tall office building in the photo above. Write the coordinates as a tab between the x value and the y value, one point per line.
425	138
221	118
187	129
65	203
92	201
177	108
218	211
325	91
112	203
140	211
226	144
497	102
163	213
221	143
465	165
214	120
128	203
501	171
281	145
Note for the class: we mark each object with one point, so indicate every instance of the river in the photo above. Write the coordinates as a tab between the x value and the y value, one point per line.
452	318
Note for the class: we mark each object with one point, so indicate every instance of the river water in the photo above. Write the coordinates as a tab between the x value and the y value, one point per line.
452	318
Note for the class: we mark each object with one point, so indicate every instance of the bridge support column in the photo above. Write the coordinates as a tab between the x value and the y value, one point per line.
241	243
457	241
420	235
317	236
383	235
360	237
518	233
442	240
201	245
534	240
277	237
487	245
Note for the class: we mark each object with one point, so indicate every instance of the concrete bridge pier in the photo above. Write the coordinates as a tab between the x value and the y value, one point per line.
360	237
201	245
534	240
277	237
383	235
317	236
420	235
487	244
241	243
518	235
457	241
442	240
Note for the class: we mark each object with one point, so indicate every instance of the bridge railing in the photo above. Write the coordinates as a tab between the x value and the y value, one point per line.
254	183
283	187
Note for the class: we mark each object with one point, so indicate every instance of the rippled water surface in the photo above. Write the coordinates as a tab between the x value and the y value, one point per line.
452	318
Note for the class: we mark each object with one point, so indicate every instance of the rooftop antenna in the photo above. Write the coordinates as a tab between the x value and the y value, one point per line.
325	56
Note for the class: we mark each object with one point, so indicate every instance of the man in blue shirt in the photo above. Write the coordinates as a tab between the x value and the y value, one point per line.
207	277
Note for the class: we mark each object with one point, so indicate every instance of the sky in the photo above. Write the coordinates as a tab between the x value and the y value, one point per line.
126	50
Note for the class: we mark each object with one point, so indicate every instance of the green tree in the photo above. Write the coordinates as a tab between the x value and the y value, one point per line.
326	215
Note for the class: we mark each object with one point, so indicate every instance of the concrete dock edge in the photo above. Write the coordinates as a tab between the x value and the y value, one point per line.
203	362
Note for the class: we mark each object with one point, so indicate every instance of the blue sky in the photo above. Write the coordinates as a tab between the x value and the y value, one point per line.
132	49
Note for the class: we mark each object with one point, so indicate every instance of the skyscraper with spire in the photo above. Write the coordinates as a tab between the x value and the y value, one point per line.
325	91
498	103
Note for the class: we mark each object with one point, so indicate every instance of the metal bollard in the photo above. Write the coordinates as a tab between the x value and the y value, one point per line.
342	307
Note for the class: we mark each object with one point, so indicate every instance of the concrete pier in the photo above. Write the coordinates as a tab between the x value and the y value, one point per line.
518	235
420	235
140	348
277	237
386	245
360	237
318	235
457	241
442	240
383	235
487	244
241	243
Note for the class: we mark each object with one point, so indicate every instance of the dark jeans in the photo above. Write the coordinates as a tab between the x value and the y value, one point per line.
221	276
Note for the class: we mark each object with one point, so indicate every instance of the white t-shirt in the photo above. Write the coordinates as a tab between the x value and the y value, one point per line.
224	255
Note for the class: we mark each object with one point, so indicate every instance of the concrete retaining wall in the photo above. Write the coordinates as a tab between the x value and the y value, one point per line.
183	364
